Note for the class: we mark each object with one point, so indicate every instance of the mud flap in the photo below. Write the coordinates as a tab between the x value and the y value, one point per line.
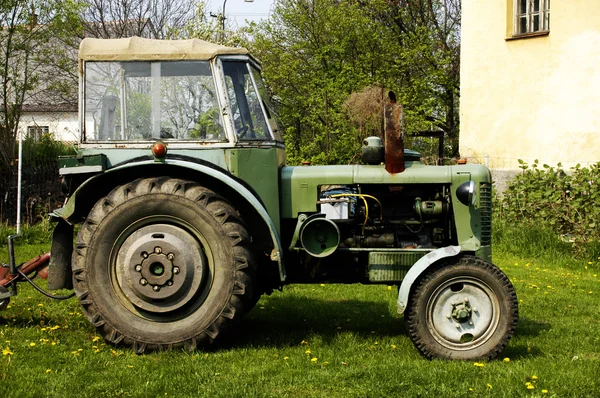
59	271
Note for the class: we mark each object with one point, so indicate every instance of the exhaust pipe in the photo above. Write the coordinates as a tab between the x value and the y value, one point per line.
394	135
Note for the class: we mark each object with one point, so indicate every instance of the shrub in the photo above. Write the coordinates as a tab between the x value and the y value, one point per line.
549	198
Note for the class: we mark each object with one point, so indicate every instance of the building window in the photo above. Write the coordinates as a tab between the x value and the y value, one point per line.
36	132
532	16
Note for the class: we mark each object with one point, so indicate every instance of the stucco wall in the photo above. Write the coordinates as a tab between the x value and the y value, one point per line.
63	125
530	98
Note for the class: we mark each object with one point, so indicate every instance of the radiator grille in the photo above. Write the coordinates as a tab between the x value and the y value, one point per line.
485	201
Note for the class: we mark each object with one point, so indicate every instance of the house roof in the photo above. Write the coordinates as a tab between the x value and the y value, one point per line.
140	49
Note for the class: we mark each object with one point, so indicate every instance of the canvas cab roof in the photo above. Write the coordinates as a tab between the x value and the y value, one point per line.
140	49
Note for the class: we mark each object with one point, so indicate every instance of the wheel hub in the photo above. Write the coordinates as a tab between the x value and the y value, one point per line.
157	269
462	313
160	268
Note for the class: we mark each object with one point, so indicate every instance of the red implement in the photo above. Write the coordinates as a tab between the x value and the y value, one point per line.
35	264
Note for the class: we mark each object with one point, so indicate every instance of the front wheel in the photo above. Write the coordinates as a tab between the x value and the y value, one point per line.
163	262
466	309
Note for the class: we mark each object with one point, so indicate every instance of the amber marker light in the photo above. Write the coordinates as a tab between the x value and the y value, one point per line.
159	149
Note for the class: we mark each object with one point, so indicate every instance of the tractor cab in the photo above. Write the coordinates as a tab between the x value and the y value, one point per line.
187	92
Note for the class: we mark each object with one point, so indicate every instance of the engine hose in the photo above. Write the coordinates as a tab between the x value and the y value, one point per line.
39	289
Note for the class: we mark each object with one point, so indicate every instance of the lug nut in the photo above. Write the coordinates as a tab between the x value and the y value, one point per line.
466	300
474	309
457	325
156	288
138	268
448	316
470	323
143	282
144	254
157	250
170	256
175	270
170	283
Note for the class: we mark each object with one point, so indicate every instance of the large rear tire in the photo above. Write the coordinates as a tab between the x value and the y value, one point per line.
464	309
163	262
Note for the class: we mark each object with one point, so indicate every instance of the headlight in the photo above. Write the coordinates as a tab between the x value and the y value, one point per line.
466	193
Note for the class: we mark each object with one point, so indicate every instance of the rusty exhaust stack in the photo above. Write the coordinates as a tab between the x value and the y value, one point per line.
394	135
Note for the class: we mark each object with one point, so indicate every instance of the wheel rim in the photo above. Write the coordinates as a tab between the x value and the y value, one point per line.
160	269
463	313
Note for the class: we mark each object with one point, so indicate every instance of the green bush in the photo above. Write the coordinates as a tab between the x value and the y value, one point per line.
549	199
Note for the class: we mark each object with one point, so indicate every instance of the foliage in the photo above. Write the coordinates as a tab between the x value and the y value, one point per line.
41	186
550	198
317	53
30	60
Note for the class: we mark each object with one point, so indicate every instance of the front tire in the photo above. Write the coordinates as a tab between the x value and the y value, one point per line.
163	262
465	309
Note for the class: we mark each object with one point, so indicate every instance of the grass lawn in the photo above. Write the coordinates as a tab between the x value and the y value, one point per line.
317	341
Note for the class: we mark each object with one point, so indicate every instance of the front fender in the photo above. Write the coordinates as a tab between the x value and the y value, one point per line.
418	269
76	202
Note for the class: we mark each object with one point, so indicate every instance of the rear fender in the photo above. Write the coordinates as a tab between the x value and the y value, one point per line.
87	194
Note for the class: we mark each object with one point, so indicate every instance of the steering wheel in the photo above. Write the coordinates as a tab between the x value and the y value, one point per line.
241	132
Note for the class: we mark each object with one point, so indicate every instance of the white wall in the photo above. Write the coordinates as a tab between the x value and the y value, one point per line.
63	125
530	98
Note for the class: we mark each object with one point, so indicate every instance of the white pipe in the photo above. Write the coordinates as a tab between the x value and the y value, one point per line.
19	173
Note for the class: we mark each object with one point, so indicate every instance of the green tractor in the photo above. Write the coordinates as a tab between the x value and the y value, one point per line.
188	213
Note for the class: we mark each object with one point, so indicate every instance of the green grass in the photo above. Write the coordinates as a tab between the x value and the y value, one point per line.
359	341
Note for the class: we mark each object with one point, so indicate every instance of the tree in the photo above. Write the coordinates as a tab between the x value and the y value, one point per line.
316	53
145	18
28	40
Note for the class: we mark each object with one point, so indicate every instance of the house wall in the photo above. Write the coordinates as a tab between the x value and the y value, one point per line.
530	98
63	125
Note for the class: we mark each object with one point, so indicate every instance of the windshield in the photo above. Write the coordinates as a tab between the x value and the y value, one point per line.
151	100
247	108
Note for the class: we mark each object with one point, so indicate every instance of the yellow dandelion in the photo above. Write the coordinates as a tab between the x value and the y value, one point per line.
43	329
534	377
40	305
130	366
325	363
6	351
528	349
286	358
54	343
31	344
96	338
590	263
389	288
544	391
322	285
393	346
479	364
48	370
315	359
470	389
530	386
307	352
507	360
489	386
303	342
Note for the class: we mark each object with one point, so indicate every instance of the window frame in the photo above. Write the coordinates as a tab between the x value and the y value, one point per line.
528	16
36	132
